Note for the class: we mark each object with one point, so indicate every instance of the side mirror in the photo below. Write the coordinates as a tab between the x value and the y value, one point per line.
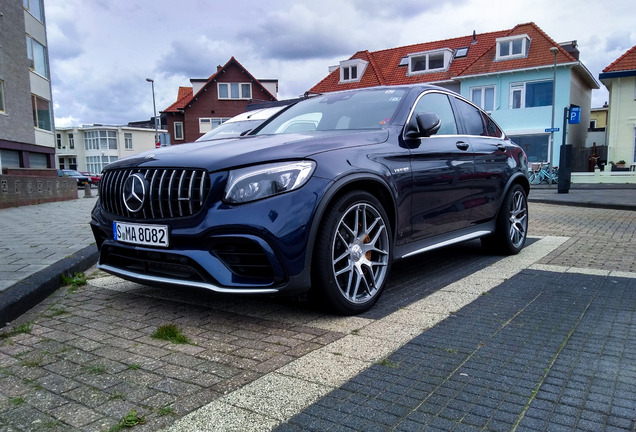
423	125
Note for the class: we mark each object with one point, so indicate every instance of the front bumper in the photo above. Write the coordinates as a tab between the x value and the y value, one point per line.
256	248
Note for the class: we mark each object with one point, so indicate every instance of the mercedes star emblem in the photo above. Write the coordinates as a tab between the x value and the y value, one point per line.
134	192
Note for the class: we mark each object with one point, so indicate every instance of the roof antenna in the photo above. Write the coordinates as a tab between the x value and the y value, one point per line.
474	38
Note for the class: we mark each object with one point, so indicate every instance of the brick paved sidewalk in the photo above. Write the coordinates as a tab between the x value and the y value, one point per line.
554	355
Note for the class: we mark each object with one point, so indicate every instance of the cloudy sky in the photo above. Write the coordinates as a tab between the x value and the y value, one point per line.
102	51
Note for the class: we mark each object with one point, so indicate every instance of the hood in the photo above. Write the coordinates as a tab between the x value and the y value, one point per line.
235	152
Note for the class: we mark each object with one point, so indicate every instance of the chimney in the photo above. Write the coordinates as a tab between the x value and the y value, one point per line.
474	38
218	68
572	48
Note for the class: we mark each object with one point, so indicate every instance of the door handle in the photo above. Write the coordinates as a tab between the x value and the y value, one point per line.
462	145
501	147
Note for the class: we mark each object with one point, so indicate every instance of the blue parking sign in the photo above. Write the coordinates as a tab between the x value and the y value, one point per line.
575	115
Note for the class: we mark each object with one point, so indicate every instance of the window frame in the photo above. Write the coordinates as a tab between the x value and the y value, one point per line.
482	102
42	66
212	121
228	91
447	56
36	116
39	15
521	87
178	131
3	109
509	43
128	141
346	68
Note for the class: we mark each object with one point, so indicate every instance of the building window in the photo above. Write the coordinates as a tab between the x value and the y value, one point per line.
35	8
58	140
483	97
128	144
71	141
41	113
100	140
61	162
352	70
432	61
178	130
207	124
36	52
235	90
461	52
512	47
531	94
38	160
10	158
634	156
97	164
2	108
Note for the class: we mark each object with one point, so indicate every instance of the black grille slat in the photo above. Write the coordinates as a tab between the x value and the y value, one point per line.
170	193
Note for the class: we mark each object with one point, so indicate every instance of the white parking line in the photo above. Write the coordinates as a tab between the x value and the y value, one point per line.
274	398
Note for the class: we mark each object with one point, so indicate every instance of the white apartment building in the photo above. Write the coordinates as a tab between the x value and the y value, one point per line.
91	148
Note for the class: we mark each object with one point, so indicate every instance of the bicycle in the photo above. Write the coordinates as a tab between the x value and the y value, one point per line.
542	174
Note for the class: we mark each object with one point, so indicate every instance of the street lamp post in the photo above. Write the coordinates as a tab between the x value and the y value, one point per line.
154	107
553	50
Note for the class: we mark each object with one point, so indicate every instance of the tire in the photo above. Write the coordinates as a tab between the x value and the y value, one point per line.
511	229
353	254
534	178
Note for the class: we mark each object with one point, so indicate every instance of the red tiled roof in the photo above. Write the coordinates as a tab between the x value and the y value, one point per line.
625	62
183	98
538	54
383	65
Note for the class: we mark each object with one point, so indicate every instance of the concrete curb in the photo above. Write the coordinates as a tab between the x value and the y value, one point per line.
30	291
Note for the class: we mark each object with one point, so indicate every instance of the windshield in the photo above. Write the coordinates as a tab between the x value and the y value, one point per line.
362	109
231	129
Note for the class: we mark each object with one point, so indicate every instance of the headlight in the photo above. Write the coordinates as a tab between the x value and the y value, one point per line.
262	181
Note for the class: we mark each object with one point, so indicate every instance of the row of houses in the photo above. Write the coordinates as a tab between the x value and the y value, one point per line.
521	76
526	80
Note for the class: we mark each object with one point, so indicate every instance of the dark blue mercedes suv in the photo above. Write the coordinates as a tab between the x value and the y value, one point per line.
321	198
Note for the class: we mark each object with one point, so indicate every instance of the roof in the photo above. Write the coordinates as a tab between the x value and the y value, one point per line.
185	95
622	66
384	69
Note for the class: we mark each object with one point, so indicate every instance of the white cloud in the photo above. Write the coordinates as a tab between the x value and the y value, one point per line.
102	51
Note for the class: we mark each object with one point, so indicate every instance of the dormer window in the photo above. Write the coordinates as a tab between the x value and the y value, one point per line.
430	61
513	47
352	70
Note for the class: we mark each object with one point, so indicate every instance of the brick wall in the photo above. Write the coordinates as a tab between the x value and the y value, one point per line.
19	190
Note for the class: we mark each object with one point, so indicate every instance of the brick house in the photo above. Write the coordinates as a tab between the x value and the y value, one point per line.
209	102
509	73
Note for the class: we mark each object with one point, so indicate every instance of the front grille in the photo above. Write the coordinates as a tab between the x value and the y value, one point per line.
170	193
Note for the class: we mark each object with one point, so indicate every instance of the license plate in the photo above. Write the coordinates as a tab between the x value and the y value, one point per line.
147	235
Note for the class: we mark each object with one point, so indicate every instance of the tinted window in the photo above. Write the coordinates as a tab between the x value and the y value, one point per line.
438	103
491	127
472	118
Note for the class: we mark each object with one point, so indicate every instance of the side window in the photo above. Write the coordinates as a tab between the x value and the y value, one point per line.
439	104
473	121
491	127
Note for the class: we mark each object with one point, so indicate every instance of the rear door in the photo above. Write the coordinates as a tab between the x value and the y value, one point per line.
491	160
